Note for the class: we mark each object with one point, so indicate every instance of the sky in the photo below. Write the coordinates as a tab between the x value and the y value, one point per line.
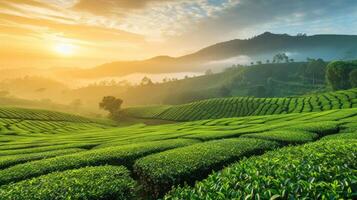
86	33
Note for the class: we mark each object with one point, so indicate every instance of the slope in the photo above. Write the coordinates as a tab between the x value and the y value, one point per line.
246	106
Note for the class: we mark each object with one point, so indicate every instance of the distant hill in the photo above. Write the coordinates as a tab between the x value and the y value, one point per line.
246	106
261	47
265	80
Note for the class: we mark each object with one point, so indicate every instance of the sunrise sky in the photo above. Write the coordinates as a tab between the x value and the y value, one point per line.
85	33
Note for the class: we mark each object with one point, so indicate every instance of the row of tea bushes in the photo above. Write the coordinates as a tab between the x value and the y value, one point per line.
100	183
158	172
319	170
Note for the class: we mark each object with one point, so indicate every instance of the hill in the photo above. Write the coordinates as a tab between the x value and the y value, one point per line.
20	121
147	161
246	106
263	80
261	47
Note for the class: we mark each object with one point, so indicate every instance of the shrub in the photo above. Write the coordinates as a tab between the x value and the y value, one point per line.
321	128
285	136
352	135
242	106
320	170
158	172
27	149
104	182
6	161
123	155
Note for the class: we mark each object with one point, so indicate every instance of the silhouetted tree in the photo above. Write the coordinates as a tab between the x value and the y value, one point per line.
146	81
280	57
111	104
208	72
267	61
259	62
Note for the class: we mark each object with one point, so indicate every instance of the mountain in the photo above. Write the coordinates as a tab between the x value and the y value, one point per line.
261	47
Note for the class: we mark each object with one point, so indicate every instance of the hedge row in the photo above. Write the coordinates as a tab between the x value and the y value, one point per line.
37	114
32	148
319	170
121	155
7	161
158	172
103	182
285	136
246	106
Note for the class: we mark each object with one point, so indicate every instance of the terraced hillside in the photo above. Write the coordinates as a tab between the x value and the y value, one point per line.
19	121
246	106
143	161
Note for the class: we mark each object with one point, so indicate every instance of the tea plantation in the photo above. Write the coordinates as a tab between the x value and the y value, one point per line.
234	148
247	106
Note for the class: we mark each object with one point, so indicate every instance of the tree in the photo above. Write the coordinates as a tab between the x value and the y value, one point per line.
146	81
224	91
315	69
280	57
268	61
208	72
337	75
353	78
259	62
111	104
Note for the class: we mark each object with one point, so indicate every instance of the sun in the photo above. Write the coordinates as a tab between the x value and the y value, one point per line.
64	49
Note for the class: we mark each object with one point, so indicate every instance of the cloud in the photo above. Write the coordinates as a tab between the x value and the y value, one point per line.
107	7
251	17
138	29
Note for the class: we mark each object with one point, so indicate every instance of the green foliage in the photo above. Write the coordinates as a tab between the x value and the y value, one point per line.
160	171
321	170
246	106
285	136
20	121
353	78
315	70
338	74
6	161
36	114
104	182
111	104
33	148
320	128
124	155
174	154
350	136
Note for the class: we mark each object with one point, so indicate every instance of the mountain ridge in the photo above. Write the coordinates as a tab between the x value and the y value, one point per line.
260	47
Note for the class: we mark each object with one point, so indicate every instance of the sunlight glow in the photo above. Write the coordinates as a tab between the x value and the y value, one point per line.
64	49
